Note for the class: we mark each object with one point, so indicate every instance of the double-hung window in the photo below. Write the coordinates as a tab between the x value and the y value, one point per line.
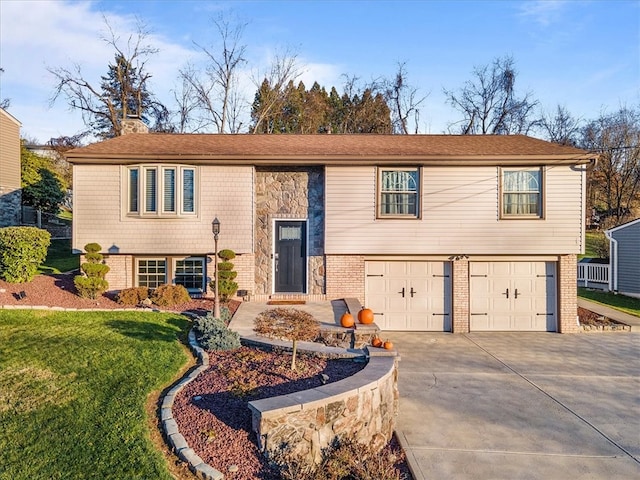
522	193
161	190
398	192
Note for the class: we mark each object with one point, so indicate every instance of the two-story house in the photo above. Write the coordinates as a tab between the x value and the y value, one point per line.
433	232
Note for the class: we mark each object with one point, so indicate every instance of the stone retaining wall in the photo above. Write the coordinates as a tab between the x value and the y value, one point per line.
363	407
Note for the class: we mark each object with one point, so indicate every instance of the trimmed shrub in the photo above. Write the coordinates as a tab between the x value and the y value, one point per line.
289	324
22	250
169	295
227	254
213	334
227	288
132	296
90	287
93	282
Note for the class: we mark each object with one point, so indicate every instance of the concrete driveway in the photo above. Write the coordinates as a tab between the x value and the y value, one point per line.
520	405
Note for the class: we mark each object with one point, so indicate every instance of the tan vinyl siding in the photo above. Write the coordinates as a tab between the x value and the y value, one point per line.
9	153
459	215
99	213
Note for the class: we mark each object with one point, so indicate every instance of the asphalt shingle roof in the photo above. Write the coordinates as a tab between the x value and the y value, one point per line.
323	148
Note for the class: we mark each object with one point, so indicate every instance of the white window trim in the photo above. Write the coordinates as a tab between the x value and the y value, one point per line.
418	194
145	259
179	194
540	215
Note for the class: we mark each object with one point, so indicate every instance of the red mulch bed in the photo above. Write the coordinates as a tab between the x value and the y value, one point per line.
59	291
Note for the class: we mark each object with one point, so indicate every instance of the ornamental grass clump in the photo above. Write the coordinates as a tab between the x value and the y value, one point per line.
213	334
288	324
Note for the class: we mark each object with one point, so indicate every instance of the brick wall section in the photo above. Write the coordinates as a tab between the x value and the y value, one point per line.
120	276
460	296
567	294
245	266
345	276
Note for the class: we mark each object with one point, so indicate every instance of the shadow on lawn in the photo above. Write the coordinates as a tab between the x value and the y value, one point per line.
141	330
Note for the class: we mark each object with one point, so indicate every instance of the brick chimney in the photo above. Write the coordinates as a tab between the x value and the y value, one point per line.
133	124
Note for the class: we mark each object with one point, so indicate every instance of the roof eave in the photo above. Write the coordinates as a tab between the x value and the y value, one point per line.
430	160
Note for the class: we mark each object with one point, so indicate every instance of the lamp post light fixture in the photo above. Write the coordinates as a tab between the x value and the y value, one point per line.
215	228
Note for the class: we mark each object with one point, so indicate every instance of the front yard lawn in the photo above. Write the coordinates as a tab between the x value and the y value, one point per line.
73	390
620	302
59	258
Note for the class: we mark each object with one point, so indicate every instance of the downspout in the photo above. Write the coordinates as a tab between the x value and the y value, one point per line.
613	262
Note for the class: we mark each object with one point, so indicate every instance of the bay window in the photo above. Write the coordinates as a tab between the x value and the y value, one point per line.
160	190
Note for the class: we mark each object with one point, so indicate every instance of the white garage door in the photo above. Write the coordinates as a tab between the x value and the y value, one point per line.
409	295
513	296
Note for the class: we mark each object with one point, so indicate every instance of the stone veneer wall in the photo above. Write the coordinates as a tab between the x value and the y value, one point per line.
295	193
363	407
10	204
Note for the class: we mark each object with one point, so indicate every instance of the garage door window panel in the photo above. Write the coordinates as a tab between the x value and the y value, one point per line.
522	193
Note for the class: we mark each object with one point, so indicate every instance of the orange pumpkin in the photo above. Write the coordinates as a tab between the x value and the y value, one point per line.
376	341
388	345
347	320
365	316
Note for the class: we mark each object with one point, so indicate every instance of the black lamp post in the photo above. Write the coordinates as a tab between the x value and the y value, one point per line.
215	228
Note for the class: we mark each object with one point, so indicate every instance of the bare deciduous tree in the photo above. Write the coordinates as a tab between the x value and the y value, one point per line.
122	92
214	90
289	324
489	103
614	185
403	100
562	128
272	88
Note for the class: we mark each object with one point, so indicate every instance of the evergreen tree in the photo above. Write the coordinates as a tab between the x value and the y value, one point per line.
42	186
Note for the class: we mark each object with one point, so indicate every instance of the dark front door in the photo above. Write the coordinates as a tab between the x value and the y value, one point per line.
291	256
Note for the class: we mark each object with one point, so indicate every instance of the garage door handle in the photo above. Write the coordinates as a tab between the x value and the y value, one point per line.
516	293
402	292
506	293
412	292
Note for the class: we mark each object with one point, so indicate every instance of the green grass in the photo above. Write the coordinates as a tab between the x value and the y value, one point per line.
73	387
59	258
65	215
619	302
592	238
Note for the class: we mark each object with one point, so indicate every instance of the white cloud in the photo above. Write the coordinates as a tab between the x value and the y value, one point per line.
38	35
543	12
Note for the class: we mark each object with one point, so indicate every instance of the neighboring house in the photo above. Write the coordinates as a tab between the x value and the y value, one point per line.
10	188
624	258
433	232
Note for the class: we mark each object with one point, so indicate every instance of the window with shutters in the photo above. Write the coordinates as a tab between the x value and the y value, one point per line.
161	190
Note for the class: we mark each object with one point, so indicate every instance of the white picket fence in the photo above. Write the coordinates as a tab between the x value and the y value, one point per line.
594	275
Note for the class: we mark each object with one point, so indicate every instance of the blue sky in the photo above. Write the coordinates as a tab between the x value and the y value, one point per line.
584	55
